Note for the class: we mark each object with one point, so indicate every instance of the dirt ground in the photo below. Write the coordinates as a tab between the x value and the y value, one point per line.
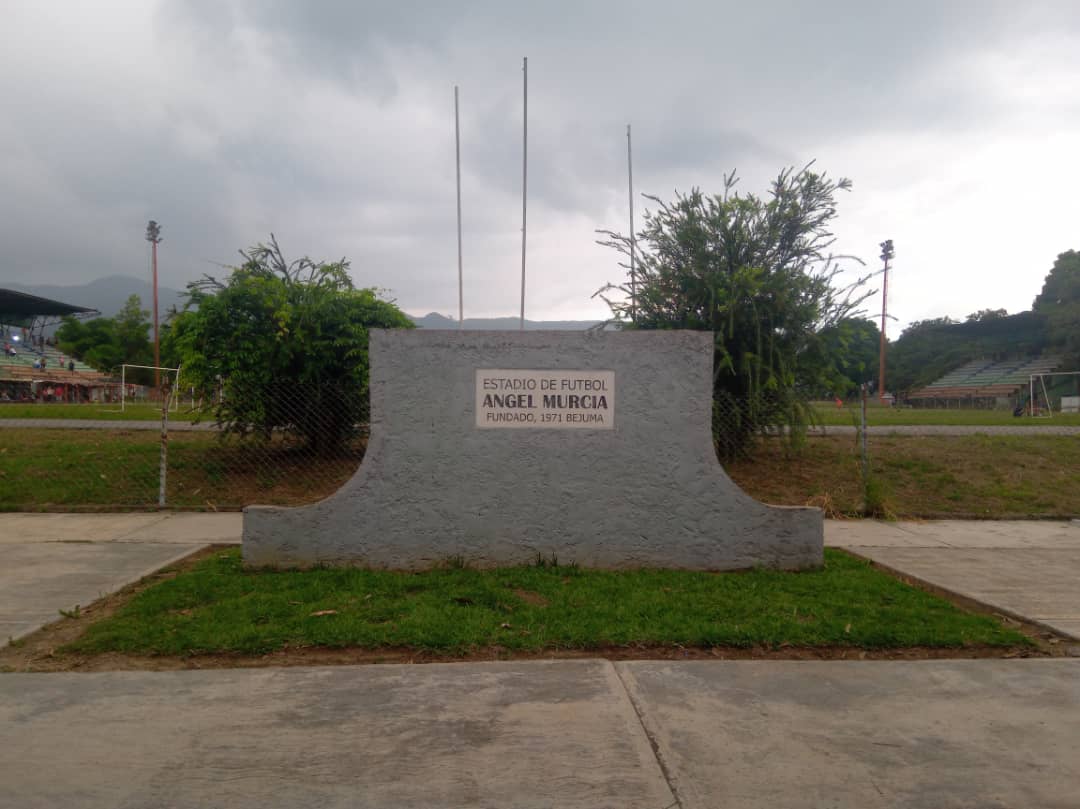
40	652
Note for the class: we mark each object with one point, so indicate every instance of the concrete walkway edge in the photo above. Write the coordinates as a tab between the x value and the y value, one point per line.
85	596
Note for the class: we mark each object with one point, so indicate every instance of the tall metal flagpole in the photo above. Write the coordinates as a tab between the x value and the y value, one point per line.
633	238
153	235
887	253
457	155
524	177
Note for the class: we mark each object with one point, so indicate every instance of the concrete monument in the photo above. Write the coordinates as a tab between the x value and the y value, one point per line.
494	447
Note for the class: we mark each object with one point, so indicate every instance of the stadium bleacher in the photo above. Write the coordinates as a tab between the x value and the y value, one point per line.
27	382
986	379
63	378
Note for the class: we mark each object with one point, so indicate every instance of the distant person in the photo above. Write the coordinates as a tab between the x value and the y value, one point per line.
71	365
44	361
37	363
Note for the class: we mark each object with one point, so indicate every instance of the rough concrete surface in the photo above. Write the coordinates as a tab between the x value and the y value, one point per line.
961	733
170	527
924	735
432	486
38	579
51	562
989	534
541	734
1027	569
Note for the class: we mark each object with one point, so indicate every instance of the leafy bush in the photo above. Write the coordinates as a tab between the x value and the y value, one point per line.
281	345
757	273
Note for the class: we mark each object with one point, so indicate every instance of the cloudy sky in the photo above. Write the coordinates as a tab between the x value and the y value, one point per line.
330	124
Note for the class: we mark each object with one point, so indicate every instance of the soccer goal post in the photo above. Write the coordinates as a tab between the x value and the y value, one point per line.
174	399
1043	388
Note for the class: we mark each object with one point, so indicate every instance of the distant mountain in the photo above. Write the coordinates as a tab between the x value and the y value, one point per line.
434	320
107	295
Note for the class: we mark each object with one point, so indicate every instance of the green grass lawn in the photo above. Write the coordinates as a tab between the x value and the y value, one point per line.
91	411
218	607
62	469
830	415
942	476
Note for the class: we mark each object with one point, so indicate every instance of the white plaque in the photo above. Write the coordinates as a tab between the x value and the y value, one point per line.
553	400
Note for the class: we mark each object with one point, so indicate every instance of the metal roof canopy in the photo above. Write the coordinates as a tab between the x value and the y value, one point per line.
20	308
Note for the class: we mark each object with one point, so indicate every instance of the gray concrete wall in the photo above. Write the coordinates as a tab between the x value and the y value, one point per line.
649	492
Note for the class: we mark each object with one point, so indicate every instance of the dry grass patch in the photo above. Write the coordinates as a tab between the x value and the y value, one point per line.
923	476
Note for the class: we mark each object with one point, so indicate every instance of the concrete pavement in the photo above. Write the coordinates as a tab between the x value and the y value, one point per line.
1025	569
568	733
184	528
560	733
587	733
37	582
958	733
53	562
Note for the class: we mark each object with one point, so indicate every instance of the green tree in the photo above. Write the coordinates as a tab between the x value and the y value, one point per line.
1059	302
852	347
287	343
105	343
928	349
987	314
920	326
132	328
758	274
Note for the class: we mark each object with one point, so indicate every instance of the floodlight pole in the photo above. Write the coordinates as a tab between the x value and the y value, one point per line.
524	175
153	235
457	154
633	238
887	253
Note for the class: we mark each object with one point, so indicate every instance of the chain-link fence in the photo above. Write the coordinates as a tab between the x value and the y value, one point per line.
861	457
286	444
774	445
272	443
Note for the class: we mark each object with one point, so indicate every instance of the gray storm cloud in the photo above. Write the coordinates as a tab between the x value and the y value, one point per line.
331	124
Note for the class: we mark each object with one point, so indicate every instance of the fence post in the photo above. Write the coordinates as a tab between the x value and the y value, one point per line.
862	439
162	471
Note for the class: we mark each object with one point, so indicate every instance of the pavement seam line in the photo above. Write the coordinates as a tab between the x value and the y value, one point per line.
162	517
653	743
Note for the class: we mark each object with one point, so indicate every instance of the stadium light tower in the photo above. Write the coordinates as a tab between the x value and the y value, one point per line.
887	253
153	235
